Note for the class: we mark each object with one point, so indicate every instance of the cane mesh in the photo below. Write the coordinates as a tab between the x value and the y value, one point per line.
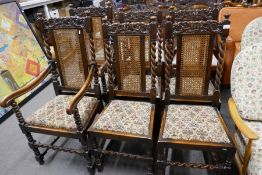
130	63
147	50
69	57
98	38
193	65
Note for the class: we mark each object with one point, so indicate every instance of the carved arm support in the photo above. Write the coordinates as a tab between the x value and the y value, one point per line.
73	104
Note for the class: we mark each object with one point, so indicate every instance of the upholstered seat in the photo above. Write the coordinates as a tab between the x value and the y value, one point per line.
132	117
252	33
256	156
172	85
194	123
53	113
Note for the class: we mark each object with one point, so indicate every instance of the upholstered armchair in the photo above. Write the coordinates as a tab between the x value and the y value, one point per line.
252	33
245	107
72	111
239	17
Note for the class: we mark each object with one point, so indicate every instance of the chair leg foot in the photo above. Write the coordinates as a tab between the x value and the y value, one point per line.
40	159
99	163
91	170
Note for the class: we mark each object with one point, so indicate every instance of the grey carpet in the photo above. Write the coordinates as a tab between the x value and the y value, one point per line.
17	159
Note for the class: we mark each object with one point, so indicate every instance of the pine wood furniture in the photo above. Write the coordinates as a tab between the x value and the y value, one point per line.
233	43
245	108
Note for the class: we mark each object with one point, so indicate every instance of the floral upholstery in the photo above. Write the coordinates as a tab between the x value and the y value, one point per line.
130	117
246	80
211	88
194	123
252	33
53	113
255	162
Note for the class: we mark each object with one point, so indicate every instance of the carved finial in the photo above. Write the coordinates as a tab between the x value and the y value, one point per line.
108	3
116	15
153	18
104	19
227	15
168	18
39	15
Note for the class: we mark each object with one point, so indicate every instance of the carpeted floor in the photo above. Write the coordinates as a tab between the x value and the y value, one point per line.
16	158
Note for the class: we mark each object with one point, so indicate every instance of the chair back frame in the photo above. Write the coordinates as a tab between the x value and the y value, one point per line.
136	30
97	14
210	29
193	15
81	25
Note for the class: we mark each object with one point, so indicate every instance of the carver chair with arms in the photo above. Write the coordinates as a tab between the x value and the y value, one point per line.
129	116
70	113
245	107
191	119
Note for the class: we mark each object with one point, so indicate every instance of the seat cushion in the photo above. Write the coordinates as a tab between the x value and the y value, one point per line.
53	113
130	117
194	123
255	163
211	88
246	80
252	33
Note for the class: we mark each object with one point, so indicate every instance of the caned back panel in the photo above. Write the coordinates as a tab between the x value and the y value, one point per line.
147	50
69	57
140	16
98	38
131	63
193	65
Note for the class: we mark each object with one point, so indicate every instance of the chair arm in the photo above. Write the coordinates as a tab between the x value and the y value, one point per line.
102	68
19	92
243	128
81	93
